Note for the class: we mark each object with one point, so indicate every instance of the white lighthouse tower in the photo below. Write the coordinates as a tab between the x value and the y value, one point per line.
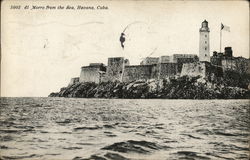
204	48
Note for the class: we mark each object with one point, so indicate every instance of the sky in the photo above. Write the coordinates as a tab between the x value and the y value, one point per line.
43	49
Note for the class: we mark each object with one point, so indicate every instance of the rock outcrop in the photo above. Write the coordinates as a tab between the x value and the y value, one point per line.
172	88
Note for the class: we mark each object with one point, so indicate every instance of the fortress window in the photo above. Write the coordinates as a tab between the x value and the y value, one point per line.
205	42
205	48
205	35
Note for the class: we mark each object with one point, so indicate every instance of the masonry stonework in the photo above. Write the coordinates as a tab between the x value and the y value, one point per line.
238	64
114	69
139	72
203	69
92	73
165	70
118	68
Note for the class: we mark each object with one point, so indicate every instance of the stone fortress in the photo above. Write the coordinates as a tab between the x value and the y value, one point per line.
206	66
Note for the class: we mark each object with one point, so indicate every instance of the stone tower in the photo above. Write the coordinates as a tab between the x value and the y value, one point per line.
114	69
204	47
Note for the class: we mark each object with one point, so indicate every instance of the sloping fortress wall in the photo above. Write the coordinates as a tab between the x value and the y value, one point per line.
181	61
194	69
89	74
92	73
203	69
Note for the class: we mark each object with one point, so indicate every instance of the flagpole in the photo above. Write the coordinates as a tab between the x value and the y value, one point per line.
123	67
122	40
220	38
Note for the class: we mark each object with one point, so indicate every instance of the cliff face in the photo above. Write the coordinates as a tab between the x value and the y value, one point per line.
180	88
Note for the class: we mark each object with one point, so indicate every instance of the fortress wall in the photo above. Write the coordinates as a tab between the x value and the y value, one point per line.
213	71
146	72
90	74
137	72
181	61
203	69
194	69
166	70
240	65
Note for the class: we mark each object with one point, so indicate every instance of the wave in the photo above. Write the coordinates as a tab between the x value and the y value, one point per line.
3	147
87	128
66	121
115	156
72	148
190	155
134	146
93	157
19	157
194	137
14	130
110	156
6	138
108	126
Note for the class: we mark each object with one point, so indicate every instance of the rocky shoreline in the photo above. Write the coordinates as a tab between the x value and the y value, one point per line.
172	88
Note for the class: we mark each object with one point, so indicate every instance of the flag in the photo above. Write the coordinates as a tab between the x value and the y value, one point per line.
122	39
224	27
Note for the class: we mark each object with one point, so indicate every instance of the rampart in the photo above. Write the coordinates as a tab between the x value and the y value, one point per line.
194	69
146	72
239	64
184	65
92	73
203	69
165	70
181	61
139	72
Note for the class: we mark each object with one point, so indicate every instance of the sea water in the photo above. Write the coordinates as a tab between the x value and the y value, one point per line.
120	129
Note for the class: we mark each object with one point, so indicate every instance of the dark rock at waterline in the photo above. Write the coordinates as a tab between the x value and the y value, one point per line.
172	88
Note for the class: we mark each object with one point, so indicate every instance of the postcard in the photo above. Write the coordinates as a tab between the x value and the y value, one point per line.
124	80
